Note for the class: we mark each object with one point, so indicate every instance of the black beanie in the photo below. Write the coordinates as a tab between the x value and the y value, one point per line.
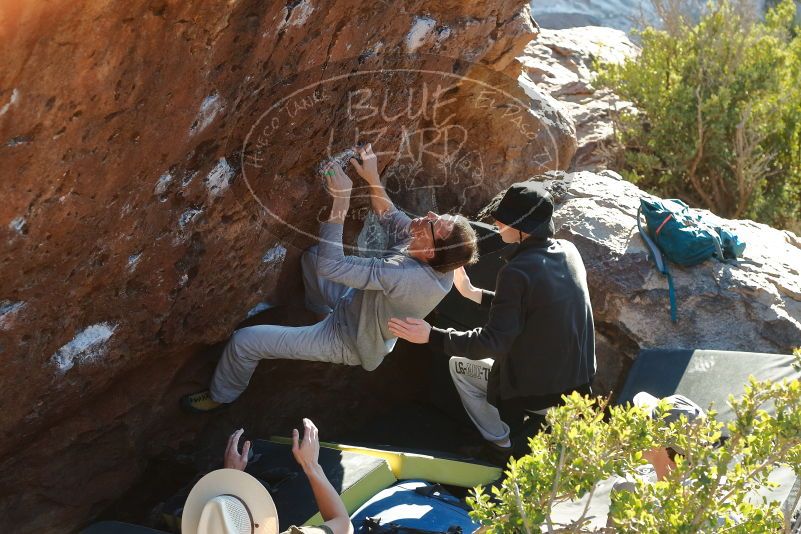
527	207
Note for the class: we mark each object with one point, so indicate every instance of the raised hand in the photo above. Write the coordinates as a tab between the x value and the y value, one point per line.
338	183
307	451
368	169
234	460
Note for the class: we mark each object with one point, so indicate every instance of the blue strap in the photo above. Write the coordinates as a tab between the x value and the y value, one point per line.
655	253
672	295
661	264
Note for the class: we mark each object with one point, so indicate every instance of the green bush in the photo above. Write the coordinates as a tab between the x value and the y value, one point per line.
719	113
710	486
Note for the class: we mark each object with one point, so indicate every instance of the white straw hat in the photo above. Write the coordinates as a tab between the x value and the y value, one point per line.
678	405
229	501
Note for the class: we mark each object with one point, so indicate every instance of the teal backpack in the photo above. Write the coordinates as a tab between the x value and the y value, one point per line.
684	237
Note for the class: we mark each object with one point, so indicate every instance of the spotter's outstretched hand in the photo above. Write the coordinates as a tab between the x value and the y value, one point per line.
412	330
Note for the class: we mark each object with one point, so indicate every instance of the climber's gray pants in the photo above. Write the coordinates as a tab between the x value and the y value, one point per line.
470	378
320	342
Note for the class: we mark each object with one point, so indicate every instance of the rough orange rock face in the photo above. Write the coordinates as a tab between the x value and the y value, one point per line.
158	185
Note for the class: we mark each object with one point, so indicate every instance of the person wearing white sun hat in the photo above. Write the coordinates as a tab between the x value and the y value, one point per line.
230	501
662	459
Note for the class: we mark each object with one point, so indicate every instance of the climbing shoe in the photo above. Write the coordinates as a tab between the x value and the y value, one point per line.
200	402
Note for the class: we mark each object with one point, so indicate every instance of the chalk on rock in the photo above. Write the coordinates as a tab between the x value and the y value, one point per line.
89	345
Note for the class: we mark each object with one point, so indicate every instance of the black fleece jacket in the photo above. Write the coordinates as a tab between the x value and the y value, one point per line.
540	330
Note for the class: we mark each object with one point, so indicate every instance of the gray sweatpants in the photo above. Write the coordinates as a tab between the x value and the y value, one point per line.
470	378
320	342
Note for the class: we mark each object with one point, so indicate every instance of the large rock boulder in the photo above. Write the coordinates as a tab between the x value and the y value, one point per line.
159	184
752	304
562	64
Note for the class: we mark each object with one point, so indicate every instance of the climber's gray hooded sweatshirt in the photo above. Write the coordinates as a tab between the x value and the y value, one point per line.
393	285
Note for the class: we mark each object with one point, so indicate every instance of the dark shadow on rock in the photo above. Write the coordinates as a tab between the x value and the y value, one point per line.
391	405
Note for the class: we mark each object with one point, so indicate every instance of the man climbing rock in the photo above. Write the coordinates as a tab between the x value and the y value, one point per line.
356	295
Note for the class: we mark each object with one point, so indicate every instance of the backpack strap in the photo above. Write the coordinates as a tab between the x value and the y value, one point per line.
672	297
653	250
659	260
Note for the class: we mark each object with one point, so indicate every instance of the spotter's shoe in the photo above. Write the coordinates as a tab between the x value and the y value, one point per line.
200	402
489	452
498	455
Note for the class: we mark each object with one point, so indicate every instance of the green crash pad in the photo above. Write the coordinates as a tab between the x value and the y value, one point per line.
355	476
